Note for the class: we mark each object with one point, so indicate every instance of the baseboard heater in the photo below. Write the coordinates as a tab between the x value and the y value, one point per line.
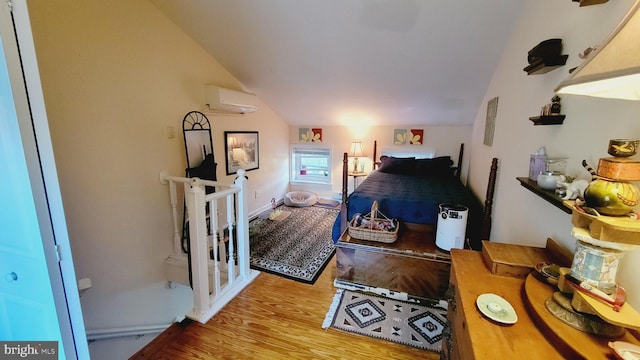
101	334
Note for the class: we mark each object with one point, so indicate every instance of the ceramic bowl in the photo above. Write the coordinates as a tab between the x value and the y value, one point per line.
623	147
548	180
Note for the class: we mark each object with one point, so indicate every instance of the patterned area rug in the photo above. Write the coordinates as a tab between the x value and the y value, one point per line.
417	325
298	247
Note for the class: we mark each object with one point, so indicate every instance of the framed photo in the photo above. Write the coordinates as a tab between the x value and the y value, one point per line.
242	150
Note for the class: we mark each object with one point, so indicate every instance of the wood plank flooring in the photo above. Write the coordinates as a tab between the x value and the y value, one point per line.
274	318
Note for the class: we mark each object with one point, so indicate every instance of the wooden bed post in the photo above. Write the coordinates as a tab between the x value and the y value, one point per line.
345	179
459	166
488	203
345	176
375	153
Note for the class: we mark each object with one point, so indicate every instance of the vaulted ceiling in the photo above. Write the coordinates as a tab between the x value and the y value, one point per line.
336	62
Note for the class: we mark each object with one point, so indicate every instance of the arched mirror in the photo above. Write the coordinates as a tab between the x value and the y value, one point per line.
198	145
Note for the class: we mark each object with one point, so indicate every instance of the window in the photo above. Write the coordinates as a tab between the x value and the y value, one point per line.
310	164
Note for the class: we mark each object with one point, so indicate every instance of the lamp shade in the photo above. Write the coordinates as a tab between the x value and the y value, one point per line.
356	150
613	69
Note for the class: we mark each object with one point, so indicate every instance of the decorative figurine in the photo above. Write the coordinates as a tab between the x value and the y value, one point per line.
573	188
276	212
555	105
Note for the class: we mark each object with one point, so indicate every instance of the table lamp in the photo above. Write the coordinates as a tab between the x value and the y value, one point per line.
355	152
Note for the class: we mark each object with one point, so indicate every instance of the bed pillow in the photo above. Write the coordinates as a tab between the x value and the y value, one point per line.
394	165
439	166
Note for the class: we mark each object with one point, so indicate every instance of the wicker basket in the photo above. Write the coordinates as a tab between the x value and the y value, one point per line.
370	234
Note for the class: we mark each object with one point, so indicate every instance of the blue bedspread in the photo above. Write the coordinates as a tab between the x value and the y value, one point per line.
411	198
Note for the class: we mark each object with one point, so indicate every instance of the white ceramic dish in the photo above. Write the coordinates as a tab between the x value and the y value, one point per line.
547	270
496	308
625	350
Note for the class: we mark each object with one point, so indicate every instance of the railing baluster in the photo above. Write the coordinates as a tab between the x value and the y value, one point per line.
177	247
213	221
231	263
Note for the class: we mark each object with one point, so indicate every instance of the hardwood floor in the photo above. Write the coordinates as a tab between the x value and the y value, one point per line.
274	318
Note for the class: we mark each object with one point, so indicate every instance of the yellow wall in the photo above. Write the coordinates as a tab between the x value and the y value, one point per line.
115	74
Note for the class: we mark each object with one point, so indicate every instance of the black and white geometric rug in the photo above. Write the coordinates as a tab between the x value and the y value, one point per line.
298	247
417	325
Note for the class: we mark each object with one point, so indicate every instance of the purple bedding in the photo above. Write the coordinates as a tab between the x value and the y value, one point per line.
412	198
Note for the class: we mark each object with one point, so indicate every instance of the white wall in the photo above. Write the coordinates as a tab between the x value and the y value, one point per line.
446	140
521	217
115	75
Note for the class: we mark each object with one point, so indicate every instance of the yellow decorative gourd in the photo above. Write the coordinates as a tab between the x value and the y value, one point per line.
610	197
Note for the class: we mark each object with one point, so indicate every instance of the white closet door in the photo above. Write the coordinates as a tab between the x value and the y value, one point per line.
34	304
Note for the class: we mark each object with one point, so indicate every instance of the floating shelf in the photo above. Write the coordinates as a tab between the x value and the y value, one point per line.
590	2
548	195
548	119
543	66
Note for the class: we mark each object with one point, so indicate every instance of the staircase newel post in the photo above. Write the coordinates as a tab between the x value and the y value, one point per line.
199	250
242	224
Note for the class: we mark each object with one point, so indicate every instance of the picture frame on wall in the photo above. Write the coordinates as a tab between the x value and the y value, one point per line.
417	137
242	151
490	124
399	136
310	135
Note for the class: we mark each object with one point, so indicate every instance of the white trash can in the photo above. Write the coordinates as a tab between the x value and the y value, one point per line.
452	226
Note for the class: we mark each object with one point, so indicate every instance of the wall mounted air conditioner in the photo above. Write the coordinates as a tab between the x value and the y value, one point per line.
230	101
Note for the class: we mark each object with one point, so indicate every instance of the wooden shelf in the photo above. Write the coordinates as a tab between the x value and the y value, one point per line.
548	119
547	195
618	229
543	66
590	2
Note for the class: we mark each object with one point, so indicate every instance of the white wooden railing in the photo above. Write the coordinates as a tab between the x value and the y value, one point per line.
212	286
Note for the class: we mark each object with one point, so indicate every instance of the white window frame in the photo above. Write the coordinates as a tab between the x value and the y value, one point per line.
296	149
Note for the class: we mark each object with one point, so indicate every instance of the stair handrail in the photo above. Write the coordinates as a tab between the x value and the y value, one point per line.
208	301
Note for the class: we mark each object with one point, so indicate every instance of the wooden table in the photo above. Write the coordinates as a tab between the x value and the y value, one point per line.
355	176
473	336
